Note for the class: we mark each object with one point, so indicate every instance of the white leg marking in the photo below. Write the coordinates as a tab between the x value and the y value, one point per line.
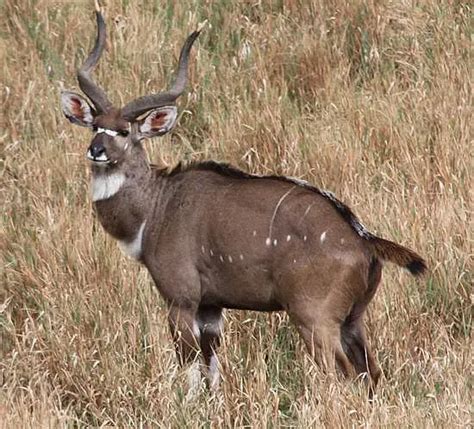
342	241
194	380
241	257
221	258
212	326
268	241
213	375
276	209
254	233
305	238
196	330
133	248
105	186
203	250
288	237
211	252
323	237
275	242
230	259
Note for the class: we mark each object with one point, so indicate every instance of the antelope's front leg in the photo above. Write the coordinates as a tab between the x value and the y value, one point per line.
186	336
210	326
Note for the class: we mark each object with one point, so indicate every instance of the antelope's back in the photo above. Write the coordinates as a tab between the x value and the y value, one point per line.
266	235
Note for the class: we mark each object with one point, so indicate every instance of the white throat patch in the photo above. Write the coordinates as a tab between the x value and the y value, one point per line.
133	248
106	186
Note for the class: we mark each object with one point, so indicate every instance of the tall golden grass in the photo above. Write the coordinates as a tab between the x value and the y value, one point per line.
370	99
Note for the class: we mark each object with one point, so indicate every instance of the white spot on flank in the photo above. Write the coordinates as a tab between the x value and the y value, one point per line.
221	258
203	250
323	237
342	241
241	257
211	252
288	237
230	259
268	241
254	233
305	238
133	248
275	242
105	186
294	261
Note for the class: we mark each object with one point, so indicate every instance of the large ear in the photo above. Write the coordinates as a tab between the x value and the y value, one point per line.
158	122
77	109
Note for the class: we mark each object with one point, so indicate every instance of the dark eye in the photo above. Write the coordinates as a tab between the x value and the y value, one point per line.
124	133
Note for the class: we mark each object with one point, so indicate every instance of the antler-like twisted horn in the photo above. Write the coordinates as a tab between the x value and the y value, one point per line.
141	105
91	89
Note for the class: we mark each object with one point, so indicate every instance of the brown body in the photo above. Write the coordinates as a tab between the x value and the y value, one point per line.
213	237
224	235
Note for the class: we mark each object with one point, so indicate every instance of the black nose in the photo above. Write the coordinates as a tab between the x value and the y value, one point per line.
96	150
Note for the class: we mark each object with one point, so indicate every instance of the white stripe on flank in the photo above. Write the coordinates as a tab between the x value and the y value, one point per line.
280	201
105	186
133	248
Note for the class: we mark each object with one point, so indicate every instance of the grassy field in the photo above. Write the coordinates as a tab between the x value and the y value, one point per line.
371	100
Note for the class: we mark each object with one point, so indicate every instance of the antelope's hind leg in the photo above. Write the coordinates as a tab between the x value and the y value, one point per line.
320	321
359	353
322	338
210	327
354	340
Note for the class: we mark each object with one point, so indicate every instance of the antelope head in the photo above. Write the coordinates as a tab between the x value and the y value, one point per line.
118	130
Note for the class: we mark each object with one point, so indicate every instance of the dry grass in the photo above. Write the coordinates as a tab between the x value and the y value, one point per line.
369	99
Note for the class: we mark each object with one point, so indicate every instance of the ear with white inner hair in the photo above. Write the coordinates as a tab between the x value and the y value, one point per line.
77	109
158	122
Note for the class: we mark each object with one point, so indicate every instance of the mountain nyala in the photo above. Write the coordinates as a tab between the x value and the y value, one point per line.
214	237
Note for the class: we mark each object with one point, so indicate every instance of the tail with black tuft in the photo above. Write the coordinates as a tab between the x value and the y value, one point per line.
402	256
